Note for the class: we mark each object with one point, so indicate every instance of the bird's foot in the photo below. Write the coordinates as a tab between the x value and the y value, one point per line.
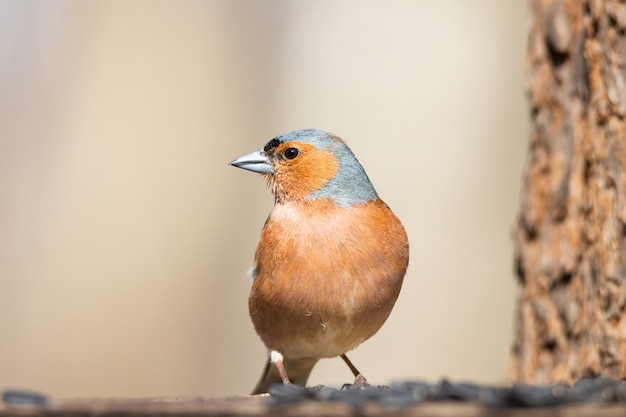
359	383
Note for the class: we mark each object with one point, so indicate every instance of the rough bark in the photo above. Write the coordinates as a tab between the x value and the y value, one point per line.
571	232
260	406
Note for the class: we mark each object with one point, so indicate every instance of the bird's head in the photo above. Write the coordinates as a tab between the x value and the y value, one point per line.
308	165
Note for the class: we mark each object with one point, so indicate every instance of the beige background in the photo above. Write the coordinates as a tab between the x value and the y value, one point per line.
125	236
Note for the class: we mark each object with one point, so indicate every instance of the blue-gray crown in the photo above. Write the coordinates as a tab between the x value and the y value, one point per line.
351	184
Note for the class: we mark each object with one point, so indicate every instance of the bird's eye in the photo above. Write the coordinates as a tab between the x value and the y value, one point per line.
291	153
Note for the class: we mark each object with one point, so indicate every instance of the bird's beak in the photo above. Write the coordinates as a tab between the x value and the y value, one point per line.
255	162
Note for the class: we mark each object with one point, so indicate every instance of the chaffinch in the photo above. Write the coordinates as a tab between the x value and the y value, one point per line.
330	260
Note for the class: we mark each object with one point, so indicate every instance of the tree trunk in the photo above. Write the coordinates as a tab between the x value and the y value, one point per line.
571	233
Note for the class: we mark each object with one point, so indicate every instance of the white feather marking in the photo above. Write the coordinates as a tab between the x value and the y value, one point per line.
275	356
251	273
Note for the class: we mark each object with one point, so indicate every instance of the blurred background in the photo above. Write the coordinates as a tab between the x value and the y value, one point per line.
125	236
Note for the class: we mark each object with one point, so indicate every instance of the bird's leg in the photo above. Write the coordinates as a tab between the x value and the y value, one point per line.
359	379
353	369
277	359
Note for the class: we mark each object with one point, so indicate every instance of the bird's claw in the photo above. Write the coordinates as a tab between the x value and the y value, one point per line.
359	383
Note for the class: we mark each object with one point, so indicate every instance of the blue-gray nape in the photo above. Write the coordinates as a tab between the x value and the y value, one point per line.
351	184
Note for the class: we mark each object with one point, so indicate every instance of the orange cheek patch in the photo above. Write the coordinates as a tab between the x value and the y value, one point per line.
308	172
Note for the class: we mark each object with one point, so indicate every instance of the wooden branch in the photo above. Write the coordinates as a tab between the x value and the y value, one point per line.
262	406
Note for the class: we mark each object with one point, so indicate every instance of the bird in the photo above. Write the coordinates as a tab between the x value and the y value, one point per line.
330	260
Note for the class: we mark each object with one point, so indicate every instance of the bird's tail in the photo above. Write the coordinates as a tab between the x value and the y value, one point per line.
298	371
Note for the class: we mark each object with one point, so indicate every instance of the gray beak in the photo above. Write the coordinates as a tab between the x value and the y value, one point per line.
255	162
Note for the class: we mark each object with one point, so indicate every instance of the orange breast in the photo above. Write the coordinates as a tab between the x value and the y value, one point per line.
327	277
